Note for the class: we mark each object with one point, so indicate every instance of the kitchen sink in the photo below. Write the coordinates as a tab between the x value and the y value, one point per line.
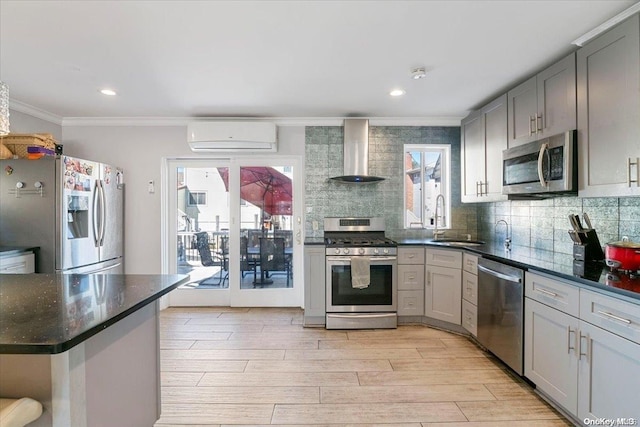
457	242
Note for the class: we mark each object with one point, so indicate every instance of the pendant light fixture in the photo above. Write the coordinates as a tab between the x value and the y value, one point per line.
4	109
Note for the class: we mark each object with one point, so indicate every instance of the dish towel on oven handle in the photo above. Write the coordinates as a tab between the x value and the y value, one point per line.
360	277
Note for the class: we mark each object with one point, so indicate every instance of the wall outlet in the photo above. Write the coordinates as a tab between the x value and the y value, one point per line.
314	225
151	188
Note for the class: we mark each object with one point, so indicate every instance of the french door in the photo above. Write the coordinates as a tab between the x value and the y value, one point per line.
234	226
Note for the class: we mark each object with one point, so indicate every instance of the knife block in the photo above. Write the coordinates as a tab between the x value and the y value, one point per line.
590	249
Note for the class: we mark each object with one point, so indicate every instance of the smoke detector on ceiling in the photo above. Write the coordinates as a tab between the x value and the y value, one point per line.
418	73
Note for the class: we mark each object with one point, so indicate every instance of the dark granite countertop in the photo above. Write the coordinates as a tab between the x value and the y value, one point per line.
595	275
51	313
14	250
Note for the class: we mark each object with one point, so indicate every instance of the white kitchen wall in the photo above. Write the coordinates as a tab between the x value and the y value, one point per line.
25	123
140	151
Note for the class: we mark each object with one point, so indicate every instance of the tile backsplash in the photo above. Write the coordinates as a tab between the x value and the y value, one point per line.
541	224
325	198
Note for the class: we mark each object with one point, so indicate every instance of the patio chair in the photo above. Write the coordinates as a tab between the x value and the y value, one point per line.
209	259
272	256
247	263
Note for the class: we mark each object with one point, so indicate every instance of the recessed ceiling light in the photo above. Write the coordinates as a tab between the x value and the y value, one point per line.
418	73
108	92
397	92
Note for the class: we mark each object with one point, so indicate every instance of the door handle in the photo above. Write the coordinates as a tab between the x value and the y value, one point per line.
94	219
637	165
103	218
531	124
586	353
543	149
539	123
569	347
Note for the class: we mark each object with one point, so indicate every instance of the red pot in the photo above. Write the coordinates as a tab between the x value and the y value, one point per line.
623	255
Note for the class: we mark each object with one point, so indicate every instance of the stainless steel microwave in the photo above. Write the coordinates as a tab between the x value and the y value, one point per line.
543	168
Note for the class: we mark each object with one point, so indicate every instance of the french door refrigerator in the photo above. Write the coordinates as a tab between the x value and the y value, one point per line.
72	209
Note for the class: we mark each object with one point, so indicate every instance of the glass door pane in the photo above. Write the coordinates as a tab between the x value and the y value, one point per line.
266	233
201	201
233	229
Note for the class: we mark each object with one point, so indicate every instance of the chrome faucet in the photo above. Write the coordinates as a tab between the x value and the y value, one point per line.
437	233
507	238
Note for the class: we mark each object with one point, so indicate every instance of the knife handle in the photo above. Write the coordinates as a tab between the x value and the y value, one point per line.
580	227
587	221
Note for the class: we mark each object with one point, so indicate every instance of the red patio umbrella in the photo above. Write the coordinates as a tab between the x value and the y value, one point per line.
264	187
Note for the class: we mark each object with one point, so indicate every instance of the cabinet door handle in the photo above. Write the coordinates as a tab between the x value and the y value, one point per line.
637	165
531	124
613	316
477	188
586	353
539	123
428	278
16	267
546	292
569	347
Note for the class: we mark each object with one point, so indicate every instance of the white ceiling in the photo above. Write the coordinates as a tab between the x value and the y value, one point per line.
316	59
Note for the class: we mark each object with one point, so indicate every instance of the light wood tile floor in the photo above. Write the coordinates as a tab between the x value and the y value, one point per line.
259	366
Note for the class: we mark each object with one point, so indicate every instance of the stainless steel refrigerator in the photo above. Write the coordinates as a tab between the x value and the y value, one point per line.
72	209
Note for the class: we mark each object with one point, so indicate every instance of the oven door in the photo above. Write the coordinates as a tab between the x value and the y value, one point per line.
379	296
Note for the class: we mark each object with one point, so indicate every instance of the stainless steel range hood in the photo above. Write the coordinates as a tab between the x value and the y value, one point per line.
356	153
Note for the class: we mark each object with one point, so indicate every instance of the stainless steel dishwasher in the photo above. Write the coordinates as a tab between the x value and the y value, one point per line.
500	311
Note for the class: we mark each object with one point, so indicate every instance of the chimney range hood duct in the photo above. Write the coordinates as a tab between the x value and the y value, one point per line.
356	153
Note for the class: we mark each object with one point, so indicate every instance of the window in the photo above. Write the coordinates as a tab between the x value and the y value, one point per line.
427	175
197	198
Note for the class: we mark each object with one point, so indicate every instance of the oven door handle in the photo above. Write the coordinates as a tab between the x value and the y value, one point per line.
374	259
359	315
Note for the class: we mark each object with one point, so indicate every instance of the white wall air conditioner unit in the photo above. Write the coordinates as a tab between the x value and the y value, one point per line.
207	137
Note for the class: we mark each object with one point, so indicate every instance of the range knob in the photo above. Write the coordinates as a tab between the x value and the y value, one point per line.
385	251
376	251
345	251
361	251
337	251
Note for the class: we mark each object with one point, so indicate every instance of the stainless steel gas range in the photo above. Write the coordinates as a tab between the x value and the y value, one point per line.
358	246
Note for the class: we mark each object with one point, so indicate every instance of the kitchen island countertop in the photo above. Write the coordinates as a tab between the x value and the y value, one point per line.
51	313
595	275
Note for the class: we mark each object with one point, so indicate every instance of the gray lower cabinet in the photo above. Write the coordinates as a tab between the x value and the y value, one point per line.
470	293
608	79
484	136
551	359
582	349
314	285
443	287
411	281
544	105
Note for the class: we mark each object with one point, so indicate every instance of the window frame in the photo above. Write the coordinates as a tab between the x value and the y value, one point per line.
192	193
445	184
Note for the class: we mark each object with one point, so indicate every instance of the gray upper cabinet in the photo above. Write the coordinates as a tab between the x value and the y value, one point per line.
484	136
608	75
544	105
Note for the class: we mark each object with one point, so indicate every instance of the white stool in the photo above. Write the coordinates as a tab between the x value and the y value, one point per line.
19	412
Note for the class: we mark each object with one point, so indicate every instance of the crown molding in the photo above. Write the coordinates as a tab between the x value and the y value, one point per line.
280	121
183	121
36	112
585	38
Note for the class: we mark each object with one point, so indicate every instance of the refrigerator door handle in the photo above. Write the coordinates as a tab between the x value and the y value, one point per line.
103	213
94	219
